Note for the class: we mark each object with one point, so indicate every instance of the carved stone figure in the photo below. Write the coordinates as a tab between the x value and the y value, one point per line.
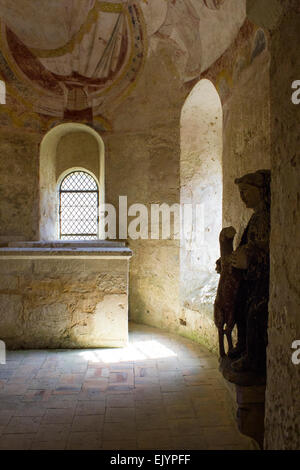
224	307
243	291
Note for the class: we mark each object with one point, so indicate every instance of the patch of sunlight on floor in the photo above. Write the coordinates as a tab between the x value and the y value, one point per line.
137	351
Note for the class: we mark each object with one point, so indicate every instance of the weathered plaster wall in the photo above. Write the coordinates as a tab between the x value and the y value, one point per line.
283	396
241	77
77	149
246	125
202	187
142	163
19	194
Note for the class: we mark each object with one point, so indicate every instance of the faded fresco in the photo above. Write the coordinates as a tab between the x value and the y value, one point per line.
76	60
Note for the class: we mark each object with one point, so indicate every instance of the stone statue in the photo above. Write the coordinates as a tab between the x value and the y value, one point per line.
224	308
243	291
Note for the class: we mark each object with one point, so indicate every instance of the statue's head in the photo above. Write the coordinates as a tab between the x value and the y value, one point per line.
255	188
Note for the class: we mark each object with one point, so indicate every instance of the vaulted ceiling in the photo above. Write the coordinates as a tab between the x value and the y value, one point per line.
79	54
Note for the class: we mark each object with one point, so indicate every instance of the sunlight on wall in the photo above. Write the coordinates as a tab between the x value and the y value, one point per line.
201	185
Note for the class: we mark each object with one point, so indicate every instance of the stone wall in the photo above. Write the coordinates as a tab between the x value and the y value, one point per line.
202	187
283	398
68	302
246	134
241	78
77	149
19	190
143	163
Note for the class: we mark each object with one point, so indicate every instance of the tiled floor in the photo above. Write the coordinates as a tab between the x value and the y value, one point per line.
161	392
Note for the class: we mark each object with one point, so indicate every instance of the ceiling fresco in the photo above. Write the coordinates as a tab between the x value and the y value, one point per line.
72	59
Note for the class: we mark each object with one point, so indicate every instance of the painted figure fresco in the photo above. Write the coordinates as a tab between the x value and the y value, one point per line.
76	59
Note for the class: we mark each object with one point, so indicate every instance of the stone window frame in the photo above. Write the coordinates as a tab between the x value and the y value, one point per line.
48	216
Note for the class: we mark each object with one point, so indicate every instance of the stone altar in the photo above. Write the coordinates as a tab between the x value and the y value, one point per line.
64	294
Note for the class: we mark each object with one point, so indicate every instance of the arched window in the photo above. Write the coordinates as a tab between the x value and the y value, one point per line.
2	92
78	207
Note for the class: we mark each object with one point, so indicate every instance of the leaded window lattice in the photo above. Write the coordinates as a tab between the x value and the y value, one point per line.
79	207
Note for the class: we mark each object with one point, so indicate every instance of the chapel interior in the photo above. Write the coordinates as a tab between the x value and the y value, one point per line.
109	110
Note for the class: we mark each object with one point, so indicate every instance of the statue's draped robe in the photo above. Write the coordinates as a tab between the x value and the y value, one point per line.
253	295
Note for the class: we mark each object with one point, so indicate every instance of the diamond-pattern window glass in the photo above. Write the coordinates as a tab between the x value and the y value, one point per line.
78	208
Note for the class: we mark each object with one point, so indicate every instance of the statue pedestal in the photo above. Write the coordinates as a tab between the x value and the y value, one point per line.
251	412
249	402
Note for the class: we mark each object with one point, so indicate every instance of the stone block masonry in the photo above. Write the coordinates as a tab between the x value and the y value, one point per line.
64	297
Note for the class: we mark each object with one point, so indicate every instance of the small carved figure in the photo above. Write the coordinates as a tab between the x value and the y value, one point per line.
224	307
243	291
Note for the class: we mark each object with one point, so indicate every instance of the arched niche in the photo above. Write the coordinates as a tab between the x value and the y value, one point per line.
65	147
201	187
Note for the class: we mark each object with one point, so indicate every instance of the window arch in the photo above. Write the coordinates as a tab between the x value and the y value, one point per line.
78	206
52	172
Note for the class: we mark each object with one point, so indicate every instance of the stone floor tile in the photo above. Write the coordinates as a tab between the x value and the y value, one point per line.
67	389
58	416
180	410
37	395
120	401
71	379
147	392
5	374
31	409
16	441
53	432
48	445
201	391
184	427
84	441
177	398
150	406
147	421
172	386
91	395
63	399
113	431
97	372
13	389
5	416
58	402
125	444
88	407
95	384
168	365
190	443
119	415
87	423
155	440
23	425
